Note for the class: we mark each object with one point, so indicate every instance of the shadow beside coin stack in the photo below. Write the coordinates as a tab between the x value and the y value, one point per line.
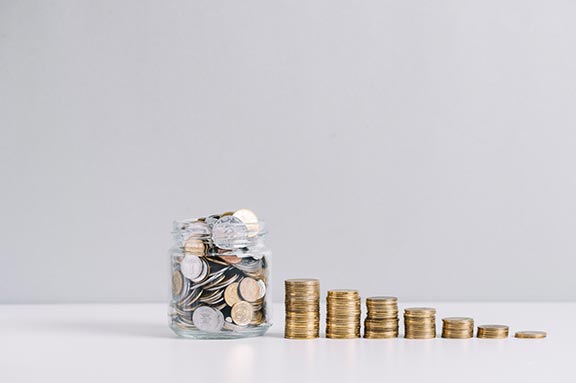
302	302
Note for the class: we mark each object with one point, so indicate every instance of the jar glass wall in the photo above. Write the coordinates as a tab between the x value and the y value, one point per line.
220	270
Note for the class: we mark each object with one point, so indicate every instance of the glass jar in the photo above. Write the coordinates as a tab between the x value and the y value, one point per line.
220	270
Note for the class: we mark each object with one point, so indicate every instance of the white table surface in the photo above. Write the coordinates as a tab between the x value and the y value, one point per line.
132	343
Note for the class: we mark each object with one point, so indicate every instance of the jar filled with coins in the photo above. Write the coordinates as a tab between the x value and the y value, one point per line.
220	269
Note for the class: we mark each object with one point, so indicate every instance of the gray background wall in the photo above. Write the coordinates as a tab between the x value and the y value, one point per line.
417	148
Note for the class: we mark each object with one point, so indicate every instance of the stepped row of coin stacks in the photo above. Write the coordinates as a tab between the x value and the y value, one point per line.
302	308
343	311
343	314
382	318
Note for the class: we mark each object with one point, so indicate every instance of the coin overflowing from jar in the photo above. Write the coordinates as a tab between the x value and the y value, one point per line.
381	318
457	328
420	323
343	310
493	331
220	277
302	302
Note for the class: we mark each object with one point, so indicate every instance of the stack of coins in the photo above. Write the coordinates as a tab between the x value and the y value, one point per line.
302	308
343	314
530	334
493	331
457	328
382	318
420	323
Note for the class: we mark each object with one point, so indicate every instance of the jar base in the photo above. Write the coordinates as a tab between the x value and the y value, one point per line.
192	333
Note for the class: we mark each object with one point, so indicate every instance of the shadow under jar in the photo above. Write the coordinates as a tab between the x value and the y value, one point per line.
220	276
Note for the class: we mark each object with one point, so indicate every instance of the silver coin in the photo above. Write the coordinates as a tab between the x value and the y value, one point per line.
211	220
262	287
193	268
229	233
208	319
197	229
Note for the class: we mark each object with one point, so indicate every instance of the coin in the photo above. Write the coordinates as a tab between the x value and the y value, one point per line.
177	283
302	300
195	246
420	323
530	334
457	328
262	289
382	317
197	229
231	294
232	259
343	314
249	289
250	220
193	268
492	331
242	313
229	232
208	319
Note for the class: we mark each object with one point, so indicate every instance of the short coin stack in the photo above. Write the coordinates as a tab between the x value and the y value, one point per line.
530	334
343	314
420	323
302	308
457	328
382	318
493	331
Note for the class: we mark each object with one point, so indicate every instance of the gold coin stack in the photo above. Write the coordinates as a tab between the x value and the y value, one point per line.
420	323
530	334
457	328
302	308
343	314
382	318
493	331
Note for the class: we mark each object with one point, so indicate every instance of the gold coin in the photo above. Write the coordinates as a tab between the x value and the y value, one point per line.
242	313
249	289
302	281
232	259
458	320
250	220
382	300
177	283
419	311
195	246
231	294
342	292
530	334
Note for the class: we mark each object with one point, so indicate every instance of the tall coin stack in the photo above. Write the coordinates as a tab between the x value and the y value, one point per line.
382	318
493	331
420	323
457	328
343	314
302	308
